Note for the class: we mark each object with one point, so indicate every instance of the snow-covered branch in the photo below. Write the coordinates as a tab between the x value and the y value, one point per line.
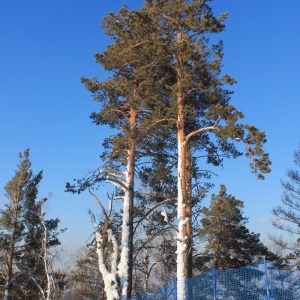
109	277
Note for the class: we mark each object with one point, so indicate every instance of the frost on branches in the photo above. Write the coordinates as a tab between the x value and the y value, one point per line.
109	277
115	276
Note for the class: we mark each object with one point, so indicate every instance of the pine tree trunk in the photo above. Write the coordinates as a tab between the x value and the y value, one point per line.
181	216
189	206
130	225
184	214
183	184
126	262
125	265
131	169
181	207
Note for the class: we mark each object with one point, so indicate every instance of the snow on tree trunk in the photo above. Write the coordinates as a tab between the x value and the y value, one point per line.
123	270
181	245
116	281
109	277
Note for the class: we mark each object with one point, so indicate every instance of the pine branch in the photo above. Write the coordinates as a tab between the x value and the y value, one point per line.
154	124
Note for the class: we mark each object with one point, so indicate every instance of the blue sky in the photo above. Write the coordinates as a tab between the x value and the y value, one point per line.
46	46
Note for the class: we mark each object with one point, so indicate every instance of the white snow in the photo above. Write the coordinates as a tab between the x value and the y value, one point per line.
117	270
181	246
185	221
123	264
165	215
109	277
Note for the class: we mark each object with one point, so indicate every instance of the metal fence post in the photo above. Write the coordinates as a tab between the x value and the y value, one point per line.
175	289
214	283
267	280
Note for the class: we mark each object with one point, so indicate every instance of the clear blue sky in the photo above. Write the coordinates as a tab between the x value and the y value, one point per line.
45	46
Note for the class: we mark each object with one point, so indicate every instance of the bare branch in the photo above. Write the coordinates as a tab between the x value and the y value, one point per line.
100	204
209	128
149	212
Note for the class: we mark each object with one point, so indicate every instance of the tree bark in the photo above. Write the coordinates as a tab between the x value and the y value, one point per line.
182	263
189	206
128	212
131	173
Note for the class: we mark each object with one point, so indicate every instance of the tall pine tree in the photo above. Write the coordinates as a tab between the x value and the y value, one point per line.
166	70
129	104
205	119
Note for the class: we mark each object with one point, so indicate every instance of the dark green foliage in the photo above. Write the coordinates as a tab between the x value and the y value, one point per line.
196	82
206	124
130	101
210	124
12	228
229	243
22	232
167	83
132	87
32	264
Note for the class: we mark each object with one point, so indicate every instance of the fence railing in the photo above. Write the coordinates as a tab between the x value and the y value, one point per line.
260	281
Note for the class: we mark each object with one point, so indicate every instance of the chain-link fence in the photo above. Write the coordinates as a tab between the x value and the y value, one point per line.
259	281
